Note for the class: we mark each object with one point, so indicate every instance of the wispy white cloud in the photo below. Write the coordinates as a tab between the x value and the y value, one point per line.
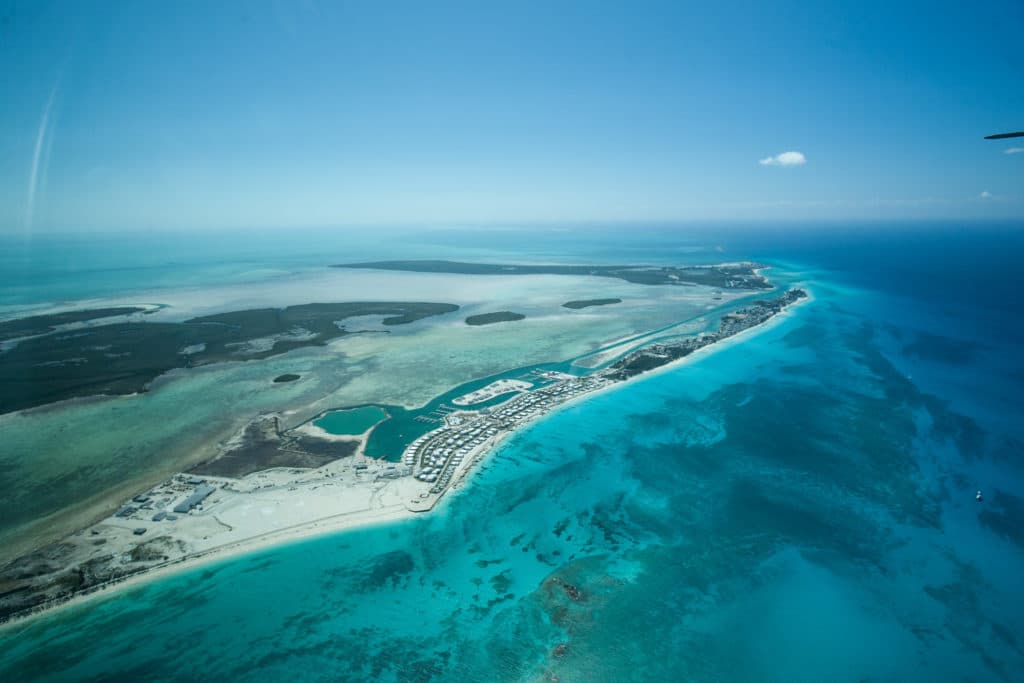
985	194
785	159
40	154
1013	150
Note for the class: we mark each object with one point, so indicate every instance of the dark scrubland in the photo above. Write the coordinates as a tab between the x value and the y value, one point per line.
124	357
491	318
263	446
41	324
587	303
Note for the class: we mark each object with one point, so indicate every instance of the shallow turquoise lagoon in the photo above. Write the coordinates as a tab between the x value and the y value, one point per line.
351	421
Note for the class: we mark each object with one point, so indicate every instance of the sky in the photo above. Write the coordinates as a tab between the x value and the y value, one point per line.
186	115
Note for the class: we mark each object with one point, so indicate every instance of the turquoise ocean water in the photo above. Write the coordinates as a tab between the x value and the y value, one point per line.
796	507
354	421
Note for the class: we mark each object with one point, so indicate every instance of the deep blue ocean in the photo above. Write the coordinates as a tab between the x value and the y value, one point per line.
796	507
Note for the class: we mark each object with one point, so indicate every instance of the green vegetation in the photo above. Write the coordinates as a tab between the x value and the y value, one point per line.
490	318
41	324
732	276
586	303
123	358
